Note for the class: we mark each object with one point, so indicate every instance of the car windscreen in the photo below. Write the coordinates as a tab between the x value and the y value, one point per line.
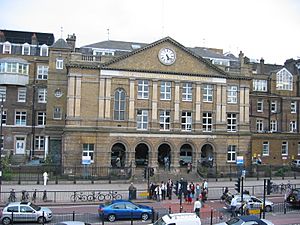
35	207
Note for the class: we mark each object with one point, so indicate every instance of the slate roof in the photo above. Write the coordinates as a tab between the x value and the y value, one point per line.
61	43
119	45
21	37
207	53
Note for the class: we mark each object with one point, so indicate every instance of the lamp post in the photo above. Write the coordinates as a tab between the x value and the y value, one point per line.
1	145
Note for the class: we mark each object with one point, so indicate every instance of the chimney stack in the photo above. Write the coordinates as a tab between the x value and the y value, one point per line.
71	41
2	37
34	40
241	59
262	67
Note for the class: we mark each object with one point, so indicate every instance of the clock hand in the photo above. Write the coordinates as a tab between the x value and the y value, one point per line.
168	58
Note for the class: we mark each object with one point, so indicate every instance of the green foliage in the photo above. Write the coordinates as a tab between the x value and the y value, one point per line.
6	170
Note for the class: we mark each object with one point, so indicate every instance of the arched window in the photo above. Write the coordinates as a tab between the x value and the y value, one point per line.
284	80
120	104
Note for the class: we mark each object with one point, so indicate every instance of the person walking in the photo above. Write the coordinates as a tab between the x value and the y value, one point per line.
233	205
197	207
45	176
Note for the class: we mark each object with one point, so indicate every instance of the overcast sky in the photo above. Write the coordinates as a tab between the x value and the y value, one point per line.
268	29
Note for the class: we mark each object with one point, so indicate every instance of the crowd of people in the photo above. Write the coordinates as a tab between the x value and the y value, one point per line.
189	192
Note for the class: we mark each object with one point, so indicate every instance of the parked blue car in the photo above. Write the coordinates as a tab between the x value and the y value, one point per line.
123	209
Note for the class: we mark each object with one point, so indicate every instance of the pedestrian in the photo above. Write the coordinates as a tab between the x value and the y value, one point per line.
169	189
233	205
198	190
158	193
205	185
189	197
131	189
163	190
189	167
192	188
45	176
197	207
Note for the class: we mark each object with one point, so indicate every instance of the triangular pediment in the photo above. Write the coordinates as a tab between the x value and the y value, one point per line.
149	59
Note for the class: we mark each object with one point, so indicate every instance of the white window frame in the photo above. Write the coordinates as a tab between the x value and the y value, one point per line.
42	95
207	93
165	90
6	48
26	49
143	89
88	149
231	122
260	105
259	125
273	106
2	93
22	94
284	80
232	94
298	148
39	143
119	104
231	153
44	50
187	89
284	148
164	120
293	106
42	72
266	148
57	113
4	117
41	116
293	126
273	125
186	121
20	118
59	64
260	85
142	119
207	122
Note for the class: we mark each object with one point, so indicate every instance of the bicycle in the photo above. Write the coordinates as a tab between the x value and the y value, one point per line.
94	196
75	197
12	196
113	195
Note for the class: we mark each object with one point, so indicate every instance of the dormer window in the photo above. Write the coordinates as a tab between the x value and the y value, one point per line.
284	80
44	50
7	48
26	49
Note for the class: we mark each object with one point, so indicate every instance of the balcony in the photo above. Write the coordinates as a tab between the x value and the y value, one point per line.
14	71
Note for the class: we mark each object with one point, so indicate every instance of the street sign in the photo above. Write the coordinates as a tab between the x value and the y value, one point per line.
240	160
86	160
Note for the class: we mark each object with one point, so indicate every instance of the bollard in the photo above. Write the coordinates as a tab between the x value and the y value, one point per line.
170	211
73	216
38	179
102	218
211	216
181	208
56	179
284	205
131	218
152	219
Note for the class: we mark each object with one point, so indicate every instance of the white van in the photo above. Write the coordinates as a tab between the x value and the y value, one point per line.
179	219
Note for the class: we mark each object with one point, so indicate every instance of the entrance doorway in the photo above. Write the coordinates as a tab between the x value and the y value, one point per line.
207	156
141	155
118	155
164	155
186	155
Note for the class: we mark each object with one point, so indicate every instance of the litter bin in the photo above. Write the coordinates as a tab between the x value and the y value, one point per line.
132	193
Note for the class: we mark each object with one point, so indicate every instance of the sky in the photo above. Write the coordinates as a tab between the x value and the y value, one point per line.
268	29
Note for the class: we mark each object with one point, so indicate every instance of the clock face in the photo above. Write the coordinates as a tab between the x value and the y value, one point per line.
167	56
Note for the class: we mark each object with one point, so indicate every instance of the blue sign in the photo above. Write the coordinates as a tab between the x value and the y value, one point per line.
240	160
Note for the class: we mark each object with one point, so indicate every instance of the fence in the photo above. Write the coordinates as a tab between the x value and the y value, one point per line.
72	173
256	171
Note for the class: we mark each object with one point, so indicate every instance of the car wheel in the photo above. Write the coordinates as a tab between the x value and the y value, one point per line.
41	220
268	208
145	216
111	218
6	221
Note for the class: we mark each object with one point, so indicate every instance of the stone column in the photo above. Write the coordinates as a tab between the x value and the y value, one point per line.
177	102
154	101
101	98
198	112
107	98
71	96
78	97
131	116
